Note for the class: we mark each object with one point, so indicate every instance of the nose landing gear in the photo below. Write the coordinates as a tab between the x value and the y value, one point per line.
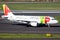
48	25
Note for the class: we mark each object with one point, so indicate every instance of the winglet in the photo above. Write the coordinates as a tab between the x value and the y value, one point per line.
6	9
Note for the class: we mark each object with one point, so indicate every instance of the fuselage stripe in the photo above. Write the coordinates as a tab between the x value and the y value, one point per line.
42	20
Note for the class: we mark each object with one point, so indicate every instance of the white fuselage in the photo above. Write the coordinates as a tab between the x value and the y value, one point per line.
37	19
26	18
33	20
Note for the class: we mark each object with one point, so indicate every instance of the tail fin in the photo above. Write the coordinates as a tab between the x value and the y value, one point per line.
6	10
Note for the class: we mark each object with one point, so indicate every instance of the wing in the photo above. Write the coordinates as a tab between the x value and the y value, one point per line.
22	21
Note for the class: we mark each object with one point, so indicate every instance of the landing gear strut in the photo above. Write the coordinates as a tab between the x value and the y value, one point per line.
48	25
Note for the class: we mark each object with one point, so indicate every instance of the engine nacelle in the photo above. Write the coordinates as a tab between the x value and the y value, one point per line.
4	17
33	23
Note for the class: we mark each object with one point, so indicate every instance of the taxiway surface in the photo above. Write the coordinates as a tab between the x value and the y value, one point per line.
10	28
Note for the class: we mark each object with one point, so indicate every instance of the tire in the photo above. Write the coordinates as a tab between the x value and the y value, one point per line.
28	25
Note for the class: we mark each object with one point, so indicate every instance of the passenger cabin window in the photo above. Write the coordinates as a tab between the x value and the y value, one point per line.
34	17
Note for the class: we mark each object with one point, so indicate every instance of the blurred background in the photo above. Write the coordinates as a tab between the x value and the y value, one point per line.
29	0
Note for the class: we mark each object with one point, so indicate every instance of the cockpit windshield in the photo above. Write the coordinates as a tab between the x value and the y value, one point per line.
53	19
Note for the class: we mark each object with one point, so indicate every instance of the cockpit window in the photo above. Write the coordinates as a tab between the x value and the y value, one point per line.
53	19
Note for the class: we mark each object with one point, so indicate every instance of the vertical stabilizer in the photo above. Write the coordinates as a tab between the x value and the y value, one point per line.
6	9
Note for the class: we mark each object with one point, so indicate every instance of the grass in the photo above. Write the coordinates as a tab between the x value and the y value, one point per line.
28	36
33	6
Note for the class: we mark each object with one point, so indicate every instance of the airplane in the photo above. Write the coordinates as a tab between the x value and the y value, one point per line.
25	19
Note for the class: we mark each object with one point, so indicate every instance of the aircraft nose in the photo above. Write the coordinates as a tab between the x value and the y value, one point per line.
53	22
56	21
